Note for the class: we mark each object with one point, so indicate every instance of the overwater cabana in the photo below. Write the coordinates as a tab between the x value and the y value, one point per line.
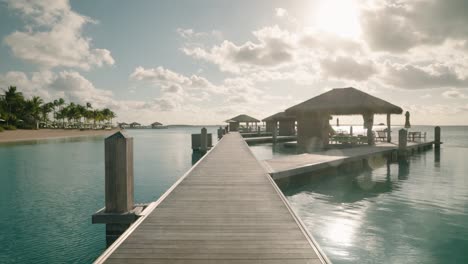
286	124
123	125
313	115
135	125
234	123
156	125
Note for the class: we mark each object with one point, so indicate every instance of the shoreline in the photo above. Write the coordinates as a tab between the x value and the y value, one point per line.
20	135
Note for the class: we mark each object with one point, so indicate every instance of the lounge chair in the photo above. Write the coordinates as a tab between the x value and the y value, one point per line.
381	135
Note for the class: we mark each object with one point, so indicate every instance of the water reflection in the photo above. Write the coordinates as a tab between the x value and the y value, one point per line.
54	140
196	156
403	169
437	157
344	185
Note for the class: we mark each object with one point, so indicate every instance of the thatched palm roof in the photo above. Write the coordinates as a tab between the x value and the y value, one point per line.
123	124
279	116
135	124
243	119
156	124
345	101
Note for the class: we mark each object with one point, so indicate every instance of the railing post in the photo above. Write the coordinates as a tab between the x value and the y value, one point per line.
220	132
119	211
203	140
437	137
402	142
275	131
119	173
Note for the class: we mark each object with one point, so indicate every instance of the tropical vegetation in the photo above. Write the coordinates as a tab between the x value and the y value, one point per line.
16	111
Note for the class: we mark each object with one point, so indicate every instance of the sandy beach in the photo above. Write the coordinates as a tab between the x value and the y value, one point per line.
26	135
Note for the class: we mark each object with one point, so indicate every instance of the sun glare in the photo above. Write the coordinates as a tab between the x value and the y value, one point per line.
339	17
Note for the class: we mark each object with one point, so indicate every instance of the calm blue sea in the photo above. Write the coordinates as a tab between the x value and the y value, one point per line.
407	212
415	212
50	188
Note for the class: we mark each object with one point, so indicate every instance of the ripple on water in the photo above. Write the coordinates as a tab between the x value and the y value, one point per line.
413	213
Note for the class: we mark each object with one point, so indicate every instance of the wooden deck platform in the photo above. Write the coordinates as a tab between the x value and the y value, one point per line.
226	209
303	163
259	140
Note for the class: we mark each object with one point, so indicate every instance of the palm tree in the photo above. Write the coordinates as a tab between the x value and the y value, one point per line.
14	103
34	108
96	115
80	112
45	110
87	113
60	104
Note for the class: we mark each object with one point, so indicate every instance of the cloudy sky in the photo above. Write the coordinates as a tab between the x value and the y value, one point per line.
201	62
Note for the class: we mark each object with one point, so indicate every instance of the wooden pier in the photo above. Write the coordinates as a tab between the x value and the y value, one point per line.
270	139
225	209
304	163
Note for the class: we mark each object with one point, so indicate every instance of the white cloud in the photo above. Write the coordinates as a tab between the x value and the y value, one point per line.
398	26
435	75
168	79
454	94
348	68
280	12
273	48
53	36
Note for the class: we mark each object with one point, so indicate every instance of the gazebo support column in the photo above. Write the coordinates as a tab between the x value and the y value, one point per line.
286	127
368	123
274	132
312	133
389	130
233	126
269	126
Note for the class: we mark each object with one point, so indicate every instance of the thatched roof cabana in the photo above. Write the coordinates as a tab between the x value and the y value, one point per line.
156	124
286	122
244	119
345	101
135	124
279	116
235	121
313	115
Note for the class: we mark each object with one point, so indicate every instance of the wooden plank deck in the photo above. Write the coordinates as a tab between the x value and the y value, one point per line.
226	209
303	163
258	140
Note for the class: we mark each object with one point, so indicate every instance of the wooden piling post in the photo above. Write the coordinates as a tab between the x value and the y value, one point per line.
389	128
402	142
203	140
275	131
437	137
119	173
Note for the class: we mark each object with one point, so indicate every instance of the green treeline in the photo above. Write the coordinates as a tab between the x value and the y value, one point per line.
16	111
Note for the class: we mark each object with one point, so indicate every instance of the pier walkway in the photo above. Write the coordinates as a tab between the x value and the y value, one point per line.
297	164
226	209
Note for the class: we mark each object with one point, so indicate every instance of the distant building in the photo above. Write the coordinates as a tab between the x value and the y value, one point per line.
123	125
135	125
234	123
156	125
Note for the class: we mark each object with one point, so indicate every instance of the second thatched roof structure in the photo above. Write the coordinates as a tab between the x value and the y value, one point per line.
243	119
344	101
279	117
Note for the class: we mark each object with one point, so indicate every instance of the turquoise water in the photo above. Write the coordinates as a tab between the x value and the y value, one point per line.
50	188
415	212
407	212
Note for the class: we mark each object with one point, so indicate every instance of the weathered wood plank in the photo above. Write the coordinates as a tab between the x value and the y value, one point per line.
226	210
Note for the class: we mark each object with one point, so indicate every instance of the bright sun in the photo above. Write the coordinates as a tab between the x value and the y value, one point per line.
339	17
